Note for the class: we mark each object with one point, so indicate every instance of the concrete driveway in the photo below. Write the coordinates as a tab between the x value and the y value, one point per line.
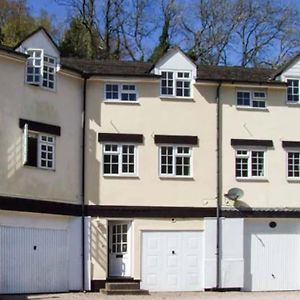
165	296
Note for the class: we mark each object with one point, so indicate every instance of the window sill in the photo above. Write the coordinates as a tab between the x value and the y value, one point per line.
166	98
41	87
293	103
189	178
249	108
37	168
121	102
121	176
252	179
293	180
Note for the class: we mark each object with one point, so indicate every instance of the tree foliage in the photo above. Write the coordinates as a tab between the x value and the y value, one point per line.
254	32
16	22
169	15
217	32
77	41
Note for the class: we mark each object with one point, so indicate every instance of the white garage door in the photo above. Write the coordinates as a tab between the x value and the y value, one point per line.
33	260
172	261
272	255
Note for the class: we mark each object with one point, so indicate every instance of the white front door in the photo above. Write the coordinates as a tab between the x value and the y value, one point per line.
119	248
172	261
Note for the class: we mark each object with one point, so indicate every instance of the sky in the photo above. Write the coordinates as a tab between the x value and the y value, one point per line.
62	14
59	12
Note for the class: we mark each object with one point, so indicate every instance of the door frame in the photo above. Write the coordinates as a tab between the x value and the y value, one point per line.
129	245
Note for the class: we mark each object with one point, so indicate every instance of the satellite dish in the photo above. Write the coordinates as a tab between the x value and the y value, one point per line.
234	194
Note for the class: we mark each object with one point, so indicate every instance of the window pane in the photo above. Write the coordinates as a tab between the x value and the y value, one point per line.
293	90
112	91
166	160
241	167
243	98
167	83
128	93
294	164
47	151
257	164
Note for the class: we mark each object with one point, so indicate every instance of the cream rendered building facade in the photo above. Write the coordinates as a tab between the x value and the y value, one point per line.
40	235
175	197
136	188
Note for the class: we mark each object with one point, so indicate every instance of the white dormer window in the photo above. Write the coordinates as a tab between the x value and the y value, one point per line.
34	66
49	72
176	84
40	69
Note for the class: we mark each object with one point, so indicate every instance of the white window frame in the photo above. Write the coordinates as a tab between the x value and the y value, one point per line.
38	136
41	67
47	143
249	162
33	59
287	99
175	79
293	150
120	92
120	160
174	155
252	99
48	64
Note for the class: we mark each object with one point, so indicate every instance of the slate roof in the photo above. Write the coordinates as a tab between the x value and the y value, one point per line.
108	67
205	72
231	74
12	51
236	74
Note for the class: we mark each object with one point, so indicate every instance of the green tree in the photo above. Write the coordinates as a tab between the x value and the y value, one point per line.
169	14
77	41
16	22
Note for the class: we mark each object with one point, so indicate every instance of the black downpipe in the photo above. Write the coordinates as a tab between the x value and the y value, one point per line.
219	184
83	184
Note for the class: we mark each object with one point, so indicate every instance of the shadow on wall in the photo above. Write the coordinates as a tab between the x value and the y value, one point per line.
238	204
207	94
93	179
248	280
14	157
99	246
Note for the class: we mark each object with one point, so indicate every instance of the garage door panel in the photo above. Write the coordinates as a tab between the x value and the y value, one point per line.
272	259
180	261
33	260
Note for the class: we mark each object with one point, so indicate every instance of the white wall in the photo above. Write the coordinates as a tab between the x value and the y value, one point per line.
232	253
210	254
175	60
62	108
